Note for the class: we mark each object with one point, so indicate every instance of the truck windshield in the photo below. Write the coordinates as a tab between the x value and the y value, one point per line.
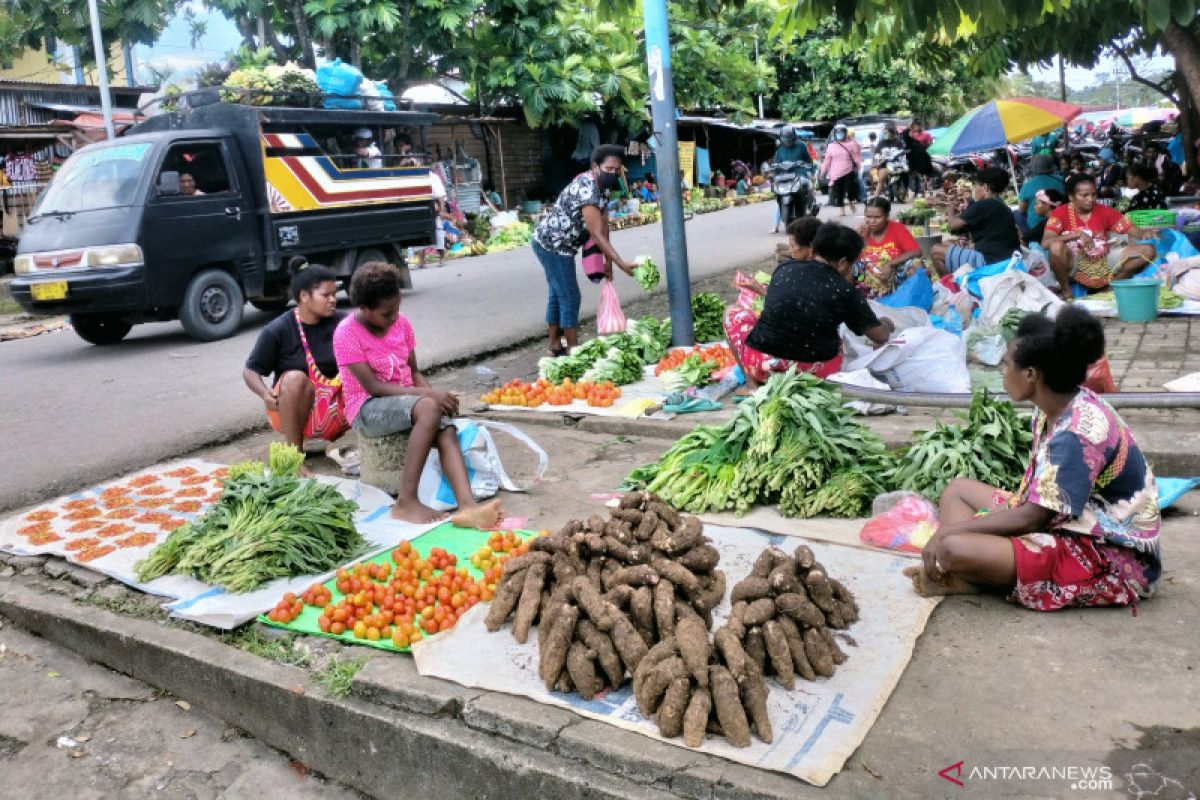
100	177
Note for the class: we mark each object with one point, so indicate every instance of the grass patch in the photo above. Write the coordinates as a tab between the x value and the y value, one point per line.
281	649
337	675
125	603
10	306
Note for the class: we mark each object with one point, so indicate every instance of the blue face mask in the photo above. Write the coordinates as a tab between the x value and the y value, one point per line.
839	136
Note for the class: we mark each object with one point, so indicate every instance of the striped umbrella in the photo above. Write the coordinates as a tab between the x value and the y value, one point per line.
996	124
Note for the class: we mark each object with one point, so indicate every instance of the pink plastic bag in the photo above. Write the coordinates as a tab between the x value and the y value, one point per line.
902	521
609	318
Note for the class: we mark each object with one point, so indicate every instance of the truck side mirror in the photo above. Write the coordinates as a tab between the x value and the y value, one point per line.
168	183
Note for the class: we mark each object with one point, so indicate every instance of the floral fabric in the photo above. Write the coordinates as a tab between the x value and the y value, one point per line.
561	229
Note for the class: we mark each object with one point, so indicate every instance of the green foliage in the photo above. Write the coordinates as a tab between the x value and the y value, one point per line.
337	676
28	24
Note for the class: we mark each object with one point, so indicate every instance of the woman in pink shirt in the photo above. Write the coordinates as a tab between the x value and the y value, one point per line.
840	166
385	393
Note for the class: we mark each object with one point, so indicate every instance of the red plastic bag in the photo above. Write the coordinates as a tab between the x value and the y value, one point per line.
902	521
1099	378
609	318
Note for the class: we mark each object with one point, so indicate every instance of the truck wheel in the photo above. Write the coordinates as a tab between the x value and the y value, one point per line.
100	329
370	254
212	306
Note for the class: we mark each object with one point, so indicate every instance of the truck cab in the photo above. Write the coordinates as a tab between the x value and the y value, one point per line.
195	212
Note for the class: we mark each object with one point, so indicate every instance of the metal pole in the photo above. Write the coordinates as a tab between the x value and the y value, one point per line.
670	193
756	63
101	69
1062	93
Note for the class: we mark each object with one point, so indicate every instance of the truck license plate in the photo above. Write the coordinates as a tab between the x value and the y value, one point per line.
49	290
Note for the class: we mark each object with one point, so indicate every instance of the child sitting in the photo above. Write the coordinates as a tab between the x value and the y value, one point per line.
386	393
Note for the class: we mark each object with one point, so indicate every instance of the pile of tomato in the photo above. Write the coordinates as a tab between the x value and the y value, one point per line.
542	392
498	548
288	607
719	354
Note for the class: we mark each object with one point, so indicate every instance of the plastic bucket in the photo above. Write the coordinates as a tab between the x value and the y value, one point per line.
531	207
1137	299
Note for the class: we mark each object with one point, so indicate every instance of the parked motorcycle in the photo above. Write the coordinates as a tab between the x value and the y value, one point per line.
898	178
792	185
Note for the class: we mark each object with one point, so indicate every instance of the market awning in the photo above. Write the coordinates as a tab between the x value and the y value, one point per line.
33	133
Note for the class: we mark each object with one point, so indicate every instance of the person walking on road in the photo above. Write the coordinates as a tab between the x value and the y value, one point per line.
843	160
577	215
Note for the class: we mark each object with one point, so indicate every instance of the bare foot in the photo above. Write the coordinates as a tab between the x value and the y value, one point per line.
484	517
416	512
928	587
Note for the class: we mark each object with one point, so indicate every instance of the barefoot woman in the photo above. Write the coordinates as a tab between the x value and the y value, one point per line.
1083	528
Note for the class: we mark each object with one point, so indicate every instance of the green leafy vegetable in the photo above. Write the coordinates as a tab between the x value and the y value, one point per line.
284	459
646	274
694	371
618	365
708	317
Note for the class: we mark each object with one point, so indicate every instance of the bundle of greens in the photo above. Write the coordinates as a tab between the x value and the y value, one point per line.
645	340
646	274
792	443
708	317
617	365
694	371
510	237
649	337
263	527
559	368
992	447
284	459
1011	321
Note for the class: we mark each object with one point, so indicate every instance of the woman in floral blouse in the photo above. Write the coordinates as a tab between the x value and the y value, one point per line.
1082	529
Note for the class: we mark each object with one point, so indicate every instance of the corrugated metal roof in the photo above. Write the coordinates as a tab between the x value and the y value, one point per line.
9	85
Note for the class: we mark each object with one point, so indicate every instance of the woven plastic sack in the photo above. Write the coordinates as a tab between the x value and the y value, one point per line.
609	317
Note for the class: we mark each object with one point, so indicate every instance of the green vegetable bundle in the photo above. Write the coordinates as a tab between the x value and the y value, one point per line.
992	447
694	371
559	368
708	317
646	274
792	443
650	338
263	527
510	237
617	365
645	340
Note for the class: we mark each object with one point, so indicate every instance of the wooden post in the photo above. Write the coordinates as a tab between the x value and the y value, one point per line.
503	177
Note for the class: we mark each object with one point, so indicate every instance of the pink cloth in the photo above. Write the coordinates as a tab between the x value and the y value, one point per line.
387	356
841	158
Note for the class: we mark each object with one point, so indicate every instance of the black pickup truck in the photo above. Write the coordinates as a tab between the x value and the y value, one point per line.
194	212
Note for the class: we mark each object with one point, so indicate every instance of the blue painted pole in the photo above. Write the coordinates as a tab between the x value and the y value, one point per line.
670	193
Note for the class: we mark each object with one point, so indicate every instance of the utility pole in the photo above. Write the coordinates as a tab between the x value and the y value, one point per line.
101	69
670	192
757	64
1062	91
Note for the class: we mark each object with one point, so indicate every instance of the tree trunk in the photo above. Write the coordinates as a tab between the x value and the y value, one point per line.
303	38
355	53
1187	126
1182	44
405	54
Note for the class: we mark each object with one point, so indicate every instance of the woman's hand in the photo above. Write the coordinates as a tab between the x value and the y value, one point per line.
929	556
446	401
625	266
271	401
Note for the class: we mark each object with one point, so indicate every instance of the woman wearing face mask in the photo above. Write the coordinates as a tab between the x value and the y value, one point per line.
576	216
843	159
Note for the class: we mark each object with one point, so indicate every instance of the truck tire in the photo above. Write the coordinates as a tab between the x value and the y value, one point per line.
370	254
100	329
212	306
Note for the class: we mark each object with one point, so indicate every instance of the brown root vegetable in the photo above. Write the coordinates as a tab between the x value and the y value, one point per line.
665	512
834	649
626	639
695	717
664	608
548	544
595	524
530	602
581	667
795	640
630	516
591	602
759	611
616	529
783	578
701	558
671	709
601	644
641	612
570	529
797	607
678	539
592	546
634	500
694	646
818	652
637	575
553	656
503	602
755	647
804	557
595	571
844	596
656	681
646	527
619	595
766	562
712	591
655	656
617	549
517	563
564	683
750	589
683	578
562	568
780	654
753	691
727	700
730	648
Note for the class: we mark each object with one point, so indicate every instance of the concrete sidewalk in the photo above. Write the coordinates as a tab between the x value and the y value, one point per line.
989	684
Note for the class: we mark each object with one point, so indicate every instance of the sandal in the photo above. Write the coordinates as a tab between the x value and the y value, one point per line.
557	353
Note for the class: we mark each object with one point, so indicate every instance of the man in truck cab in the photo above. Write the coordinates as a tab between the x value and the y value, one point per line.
187	184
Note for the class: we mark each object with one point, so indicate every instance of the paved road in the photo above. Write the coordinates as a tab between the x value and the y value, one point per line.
74	414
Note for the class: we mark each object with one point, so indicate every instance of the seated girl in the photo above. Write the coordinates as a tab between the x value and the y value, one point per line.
808	298
1082	529
386	393
888	250
305	399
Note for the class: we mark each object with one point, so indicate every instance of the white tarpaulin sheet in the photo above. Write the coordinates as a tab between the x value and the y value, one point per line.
824	529
817	725
149	509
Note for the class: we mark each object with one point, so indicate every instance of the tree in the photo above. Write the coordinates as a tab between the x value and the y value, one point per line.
820	78
27	24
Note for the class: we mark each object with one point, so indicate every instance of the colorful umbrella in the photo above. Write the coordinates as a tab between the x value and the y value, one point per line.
1133	117
1000	122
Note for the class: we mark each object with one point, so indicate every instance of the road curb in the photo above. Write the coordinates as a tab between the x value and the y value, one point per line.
397	734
